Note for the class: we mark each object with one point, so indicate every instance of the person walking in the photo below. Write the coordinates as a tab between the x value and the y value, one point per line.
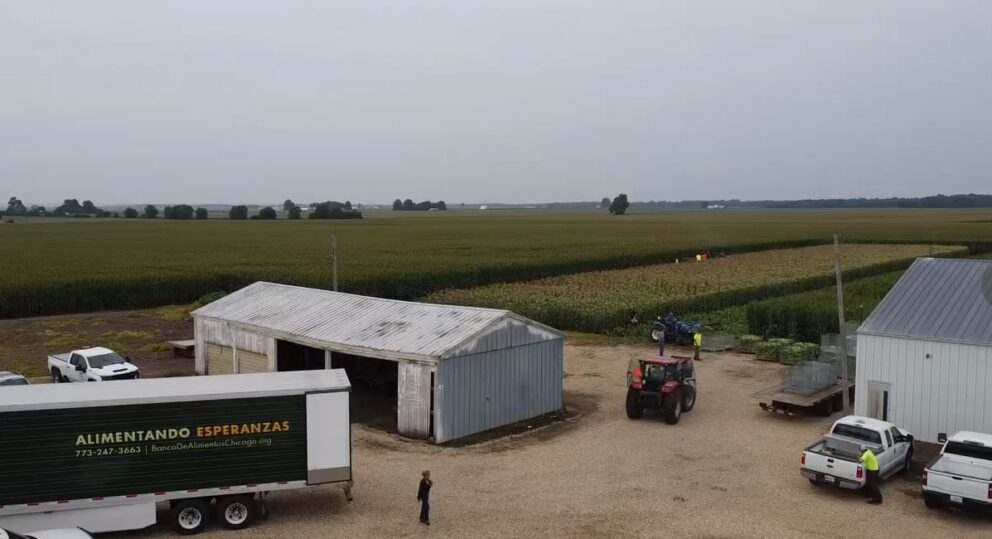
423	496
871	475
661	339
697	343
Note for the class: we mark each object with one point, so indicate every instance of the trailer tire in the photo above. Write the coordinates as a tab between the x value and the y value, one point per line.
190	517
236	512
634	409
826	407
672	408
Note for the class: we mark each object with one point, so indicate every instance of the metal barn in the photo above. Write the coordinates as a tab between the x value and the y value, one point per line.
925	353
447	371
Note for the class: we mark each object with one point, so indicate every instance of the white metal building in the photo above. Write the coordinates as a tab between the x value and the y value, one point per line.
446	371
925	353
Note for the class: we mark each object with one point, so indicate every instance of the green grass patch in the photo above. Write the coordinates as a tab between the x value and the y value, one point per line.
62	341
173	313
154	347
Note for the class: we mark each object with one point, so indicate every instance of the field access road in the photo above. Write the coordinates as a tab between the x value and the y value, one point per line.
727	470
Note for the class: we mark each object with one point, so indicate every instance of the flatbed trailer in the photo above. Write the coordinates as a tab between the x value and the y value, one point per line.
779	399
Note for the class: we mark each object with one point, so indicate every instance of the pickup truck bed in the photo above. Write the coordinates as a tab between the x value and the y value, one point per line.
64	358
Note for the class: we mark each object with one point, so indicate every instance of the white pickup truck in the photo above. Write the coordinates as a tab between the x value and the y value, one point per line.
90	365
836	458
962	472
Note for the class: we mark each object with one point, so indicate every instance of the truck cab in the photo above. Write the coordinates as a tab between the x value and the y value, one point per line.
962	472
835	459
91	365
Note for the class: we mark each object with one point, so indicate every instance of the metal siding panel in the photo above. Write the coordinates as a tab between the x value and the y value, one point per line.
249	362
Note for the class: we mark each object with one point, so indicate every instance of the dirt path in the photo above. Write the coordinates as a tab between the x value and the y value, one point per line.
727	470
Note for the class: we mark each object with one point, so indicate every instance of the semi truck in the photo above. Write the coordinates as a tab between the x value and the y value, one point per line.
103	456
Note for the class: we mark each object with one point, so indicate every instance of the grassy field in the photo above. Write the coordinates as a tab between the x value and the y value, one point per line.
64	266
603	301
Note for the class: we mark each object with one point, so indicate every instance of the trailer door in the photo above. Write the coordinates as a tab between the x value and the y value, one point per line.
328	437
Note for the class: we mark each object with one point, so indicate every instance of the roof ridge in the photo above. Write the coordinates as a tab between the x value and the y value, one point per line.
391	300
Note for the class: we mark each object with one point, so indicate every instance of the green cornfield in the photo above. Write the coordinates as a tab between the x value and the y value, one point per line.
605	301
65	266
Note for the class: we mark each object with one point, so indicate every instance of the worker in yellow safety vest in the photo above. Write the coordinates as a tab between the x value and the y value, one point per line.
871	475
697	342
699	258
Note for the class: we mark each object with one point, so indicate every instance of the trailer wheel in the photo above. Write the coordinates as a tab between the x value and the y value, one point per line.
672	408
236	512
190	517
634	409
826	407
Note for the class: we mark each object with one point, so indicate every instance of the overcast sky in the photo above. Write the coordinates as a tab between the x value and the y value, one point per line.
504	101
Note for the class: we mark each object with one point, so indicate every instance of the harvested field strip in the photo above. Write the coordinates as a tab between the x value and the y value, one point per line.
604	301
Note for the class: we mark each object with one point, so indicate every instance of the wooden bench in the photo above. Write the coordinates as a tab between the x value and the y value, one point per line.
183	348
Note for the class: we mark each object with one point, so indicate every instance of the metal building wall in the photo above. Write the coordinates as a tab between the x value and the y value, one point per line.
482	391
947	392
207	331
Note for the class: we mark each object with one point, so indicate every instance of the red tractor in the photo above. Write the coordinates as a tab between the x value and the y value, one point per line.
665	383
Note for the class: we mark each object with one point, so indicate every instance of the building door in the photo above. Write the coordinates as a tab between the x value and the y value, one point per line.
878	400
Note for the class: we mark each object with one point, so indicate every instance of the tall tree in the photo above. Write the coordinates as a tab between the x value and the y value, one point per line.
202	213
605	203
151	212
238	212
288	205
267	213
619	205
130	213
397	205
15	207
294	212
409	205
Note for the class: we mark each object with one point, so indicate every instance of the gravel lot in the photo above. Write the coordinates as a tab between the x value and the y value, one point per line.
726	470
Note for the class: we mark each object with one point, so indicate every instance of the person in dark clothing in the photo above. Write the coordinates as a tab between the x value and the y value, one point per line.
423	496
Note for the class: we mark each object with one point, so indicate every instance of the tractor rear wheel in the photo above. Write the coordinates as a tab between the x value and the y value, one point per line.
688	398
634	408
671	409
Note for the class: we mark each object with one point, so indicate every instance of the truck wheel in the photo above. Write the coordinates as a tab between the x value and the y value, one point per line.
190	517
236	512
826	408
56	376
688	399
634	409
672	408
932	501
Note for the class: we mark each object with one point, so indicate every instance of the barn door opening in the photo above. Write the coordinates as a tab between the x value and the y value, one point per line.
291	356
431	430
878	400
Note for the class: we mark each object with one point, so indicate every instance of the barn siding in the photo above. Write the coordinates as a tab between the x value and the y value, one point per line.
946	393
413	399
214	332
484	391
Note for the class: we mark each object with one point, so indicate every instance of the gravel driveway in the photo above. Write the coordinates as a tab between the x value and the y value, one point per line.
726	470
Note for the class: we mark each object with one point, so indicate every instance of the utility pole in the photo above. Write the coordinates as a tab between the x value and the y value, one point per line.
840	321
334	261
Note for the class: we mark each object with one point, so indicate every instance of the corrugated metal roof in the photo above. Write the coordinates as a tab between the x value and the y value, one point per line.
938	299
359	323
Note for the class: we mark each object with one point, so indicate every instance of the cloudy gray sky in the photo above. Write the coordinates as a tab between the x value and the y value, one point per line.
256	101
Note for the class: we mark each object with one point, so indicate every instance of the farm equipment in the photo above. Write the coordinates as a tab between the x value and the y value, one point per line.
675	331
664	383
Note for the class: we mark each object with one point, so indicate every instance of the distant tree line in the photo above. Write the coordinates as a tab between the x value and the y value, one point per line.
937	201
410	205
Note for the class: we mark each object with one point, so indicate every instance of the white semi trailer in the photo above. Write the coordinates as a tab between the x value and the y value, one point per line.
102	456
